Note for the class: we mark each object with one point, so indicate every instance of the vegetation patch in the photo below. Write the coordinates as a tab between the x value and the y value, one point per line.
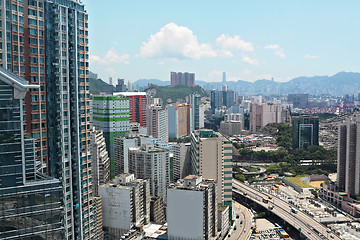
297	180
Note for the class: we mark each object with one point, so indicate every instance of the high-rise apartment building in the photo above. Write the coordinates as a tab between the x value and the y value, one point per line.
179	120
348	164
152	163
137	106
221	98
157	122
179	78
57	114
100	162
111	115
121	149
197	112
305	131
30	202
126	204
192	209
263	114
211	157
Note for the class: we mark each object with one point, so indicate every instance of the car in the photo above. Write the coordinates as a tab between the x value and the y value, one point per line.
235	227
229	235
241	221
244	230
332	236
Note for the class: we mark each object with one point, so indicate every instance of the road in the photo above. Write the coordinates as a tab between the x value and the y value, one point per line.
246	218
309	226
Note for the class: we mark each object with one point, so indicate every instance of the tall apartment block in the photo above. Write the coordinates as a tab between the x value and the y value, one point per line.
211	157
30	202
157	122
197	112
221	98
152	163
179	120
305	131
348	165
263	114
179	78
137	106
192	209
125	204
111	115
56	114
121	149
100	162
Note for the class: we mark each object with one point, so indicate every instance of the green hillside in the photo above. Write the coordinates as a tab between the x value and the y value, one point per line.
172	94
96	85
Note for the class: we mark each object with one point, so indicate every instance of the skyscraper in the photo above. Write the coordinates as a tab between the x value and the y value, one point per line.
263	114
57	114
137	106
211	157
179	120
305	131
197	112
348	170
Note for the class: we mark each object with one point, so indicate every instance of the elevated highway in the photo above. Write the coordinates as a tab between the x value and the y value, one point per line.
310	228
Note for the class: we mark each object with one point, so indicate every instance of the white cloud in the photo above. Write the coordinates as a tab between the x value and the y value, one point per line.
225	54
175	42
272	46
246	72
277	50
251	61
280	53
227	42
110	57
311	56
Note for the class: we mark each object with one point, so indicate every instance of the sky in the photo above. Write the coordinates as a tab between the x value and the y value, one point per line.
249	40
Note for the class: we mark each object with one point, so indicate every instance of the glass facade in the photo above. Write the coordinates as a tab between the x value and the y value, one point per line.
30	203
305	131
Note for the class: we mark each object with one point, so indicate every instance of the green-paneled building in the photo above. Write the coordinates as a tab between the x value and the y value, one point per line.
305	131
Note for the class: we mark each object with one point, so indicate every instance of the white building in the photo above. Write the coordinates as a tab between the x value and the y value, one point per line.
100	162
181	160
157	122
152	163
125	204
230	128
121	150
192	209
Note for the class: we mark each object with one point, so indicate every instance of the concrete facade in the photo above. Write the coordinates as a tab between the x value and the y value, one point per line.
157	122
192	209
100	162
182	160
263	114
152	163
211	157
230	128
125	204
179	121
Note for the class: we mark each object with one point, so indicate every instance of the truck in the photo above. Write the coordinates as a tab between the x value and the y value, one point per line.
293	210
265	200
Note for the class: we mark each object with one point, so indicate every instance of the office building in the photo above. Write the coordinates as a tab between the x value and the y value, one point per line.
211	157
197	112
125	204
23	189
348	170
152	163
185	79
137	106
221	98
121	149
192	209
157	122
263	114
179	120
305	131
299	100
100	162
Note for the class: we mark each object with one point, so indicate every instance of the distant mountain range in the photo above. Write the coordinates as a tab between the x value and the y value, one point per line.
340	84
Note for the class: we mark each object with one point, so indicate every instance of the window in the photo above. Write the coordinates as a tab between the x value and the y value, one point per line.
33	31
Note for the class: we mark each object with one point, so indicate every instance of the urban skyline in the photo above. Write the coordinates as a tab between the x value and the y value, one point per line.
248	40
